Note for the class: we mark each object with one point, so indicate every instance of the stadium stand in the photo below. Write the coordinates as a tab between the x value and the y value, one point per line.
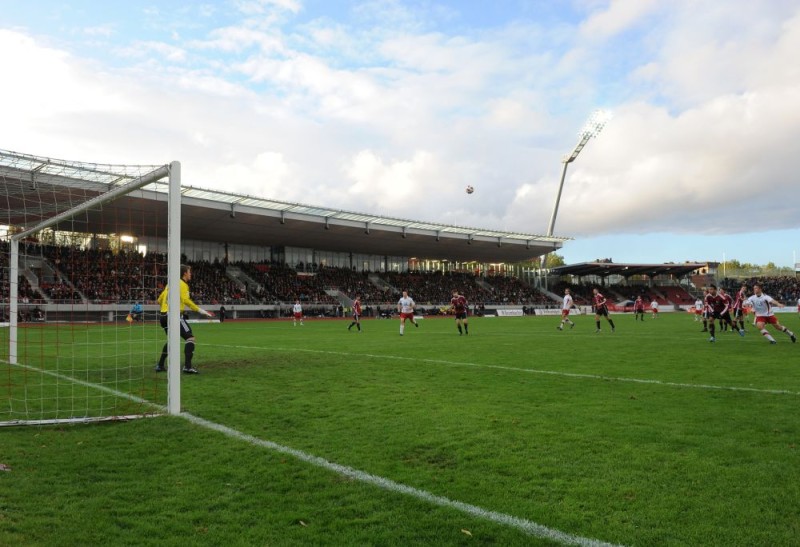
69	274
784	288
676	295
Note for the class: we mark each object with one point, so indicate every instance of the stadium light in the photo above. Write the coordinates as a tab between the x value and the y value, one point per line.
593	126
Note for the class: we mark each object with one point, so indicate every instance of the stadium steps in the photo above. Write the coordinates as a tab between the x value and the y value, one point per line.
344	300
57	276
245	281
382	284
26	269
551	295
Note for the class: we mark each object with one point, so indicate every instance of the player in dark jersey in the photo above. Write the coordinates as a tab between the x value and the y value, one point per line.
459	305
717	307
356	313
600	309
726	320
738	307
638	309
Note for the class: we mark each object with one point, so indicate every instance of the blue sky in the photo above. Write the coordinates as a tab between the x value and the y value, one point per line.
393	107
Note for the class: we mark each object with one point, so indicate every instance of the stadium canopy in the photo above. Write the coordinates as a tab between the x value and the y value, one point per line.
605	269
224	217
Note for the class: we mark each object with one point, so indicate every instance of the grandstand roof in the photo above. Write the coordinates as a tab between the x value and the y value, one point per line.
604	269
210	215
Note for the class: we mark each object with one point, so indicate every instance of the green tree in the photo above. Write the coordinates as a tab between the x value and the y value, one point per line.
554	260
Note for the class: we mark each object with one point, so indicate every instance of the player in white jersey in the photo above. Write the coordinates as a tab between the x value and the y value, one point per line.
654	308
698	309
762	305
297	313
565	307
406	307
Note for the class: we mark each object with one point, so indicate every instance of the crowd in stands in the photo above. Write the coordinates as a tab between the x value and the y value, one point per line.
100	276
784	288
619	293
280	283
75	275
510	290
25	293
211	285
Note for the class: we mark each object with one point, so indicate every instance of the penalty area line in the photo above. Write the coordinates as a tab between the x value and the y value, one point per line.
528	370
526	526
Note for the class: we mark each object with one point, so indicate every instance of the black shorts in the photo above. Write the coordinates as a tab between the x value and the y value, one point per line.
461	315
738	313
186	330
356	317
601	310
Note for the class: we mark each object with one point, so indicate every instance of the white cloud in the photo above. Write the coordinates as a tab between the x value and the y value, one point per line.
105	31
397	121
236	39
51	84
619	15
256	7
143	50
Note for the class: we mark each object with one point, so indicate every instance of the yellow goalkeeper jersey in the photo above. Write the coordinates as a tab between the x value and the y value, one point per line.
185	300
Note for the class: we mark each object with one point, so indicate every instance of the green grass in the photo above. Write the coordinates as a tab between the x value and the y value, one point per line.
647	436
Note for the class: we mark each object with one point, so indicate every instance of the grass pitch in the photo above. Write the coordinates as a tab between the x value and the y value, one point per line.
647	436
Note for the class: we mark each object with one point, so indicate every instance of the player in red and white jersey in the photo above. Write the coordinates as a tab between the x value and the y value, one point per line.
654	308
638	308
567	305
600	309
459	305
406	307
706	311
356	313
762	305
698	309
297	313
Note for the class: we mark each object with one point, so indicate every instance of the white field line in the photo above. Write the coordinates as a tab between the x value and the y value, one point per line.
526	526
524	370
99	387
529	527
158	409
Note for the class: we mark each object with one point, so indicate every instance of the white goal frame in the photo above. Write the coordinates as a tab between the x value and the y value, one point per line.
173	172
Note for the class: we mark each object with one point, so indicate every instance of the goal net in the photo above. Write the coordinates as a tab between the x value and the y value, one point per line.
85	249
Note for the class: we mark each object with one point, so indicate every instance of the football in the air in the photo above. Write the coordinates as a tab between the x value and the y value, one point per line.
470	189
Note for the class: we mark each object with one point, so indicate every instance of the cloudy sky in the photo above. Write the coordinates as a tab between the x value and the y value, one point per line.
395	106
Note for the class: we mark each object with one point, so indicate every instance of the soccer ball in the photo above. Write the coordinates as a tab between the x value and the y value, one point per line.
470	189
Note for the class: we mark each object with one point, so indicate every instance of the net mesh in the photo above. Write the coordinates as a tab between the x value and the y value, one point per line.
87	333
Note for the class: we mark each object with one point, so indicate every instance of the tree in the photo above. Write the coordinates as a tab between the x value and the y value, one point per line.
554	260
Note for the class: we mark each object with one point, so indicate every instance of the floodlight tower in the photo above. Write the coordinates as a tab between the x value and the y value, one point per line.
592	127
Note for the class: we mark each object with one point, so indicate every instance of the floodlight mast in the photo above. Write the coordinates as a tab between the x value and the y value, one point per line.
593	126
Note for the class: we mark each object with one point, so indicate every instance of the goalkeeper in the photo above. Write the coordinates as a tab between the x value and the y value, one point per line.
186	330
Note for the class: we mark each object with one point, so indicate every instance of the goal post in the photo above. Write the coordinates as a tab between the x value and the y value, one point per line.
82	244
